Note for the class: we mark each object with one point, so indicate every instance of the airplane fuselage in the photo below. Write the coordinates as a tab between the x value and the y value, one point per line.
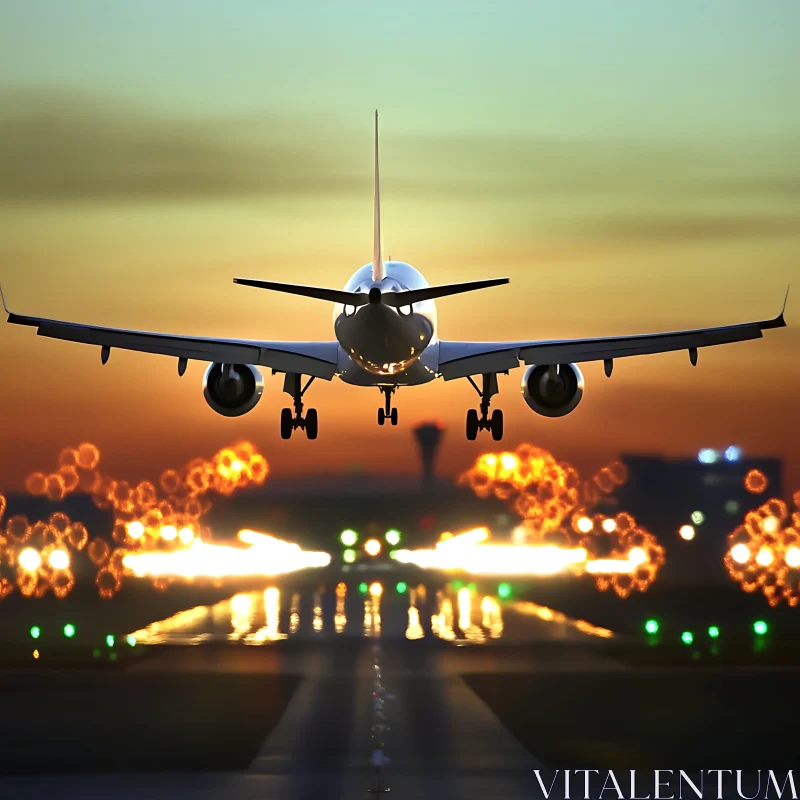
382	345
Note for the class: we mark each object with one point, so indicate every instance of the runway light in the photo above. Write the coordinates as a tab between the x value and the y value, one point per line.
637	556
770	524
713	632
760	627
708	456
36	632
131	640
401	587
393	537
376	590
169	533
348	537
698	517
687	637
764	557
30	560
135	529
793	557
363	588
504	591
59	559
457	585
393	554
186	535
609	525
36	654
372	547
69	630
110	640
733	453
585	524
349	556
740	553
686	532
651	626
731	506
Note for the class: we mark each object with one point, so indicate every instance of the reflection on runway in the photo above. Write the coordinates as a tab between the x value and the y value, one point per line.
462	616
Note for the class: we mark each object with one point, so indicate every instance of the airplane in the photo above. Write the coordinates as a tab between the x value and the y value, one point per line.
385	327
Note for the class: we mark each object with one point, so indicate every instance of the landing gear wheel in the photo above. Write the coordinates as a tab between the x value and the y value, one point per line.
393	416
381	416
472	424
311	423
497	425
287	423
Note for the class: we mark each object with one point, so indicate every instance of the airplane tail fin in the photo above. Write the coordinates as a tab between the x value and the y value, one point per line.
378	271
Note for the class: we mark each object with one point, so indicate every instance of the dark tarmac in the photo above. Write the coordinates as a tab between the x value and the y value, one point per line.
278	695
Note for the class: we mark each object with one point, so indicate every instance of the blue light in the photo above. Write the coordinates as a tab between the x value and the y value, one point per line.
733	453
708	456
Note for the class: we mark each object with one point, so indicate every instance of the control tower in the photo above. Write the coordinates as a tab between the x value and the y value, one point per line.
428	435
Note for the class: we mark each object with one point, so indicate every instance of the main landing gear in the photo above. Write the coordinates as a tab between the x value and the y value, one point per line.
388	412
483	422
291	420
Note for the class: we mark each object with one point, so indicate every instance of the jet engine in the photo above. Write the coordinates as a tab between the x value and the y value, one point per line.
552	390
232	389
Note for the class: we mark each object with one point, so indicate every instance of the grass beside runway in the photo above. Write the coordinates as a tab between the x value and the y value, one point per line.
649	720
67	722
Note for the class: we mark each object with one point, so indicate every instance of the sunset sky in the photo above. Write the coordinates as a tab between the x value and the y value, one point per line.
632	167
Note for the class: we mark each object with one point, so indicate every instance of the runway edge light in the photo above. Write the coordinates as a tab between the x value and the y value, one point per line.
760	627
651	626
687	637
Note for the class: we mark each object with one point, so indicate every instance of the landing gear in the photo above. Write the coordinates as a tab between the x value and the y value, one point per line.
482	422
388	412
295	419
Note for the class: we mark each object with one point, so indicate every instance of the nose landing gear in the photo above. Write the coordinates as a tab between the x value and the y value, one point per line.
388	412
482	422
290	420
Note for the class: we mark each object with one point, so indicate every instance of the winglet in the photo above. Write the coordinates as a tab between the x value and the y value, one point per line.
3	298
779	321
378	272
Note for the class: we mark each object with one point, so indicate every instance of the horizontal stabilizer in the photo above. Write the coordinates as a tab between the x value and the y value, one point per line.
317	292
406	298
396	299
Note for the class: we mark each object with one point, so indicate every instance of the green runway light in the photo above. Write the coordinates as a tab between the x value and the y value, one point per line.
110	640
348	538
393	554
687	637
760	627
69	630
349	556
36	632
713	632
504	590
131	640
458	585
363	588
651	626
393	537
472	587
401	587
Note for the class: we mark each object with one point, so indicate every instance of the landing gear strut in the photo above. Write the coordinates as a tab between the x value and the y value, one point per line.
388	412
477	423
291	420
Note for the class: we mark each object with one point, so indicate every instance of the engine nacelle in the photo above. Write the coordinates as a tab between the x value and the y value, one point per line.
552	396
232	389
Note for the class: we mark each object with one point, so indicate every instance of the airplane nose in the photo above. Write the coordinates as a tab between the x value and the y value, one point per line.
374	295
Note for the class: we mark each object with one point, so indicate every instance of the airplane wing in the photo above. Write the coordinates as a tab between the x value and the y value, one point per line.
307	358
462	359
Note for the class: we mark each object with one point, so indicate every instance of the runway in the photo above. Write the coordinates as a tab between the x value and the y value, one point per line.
272	694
